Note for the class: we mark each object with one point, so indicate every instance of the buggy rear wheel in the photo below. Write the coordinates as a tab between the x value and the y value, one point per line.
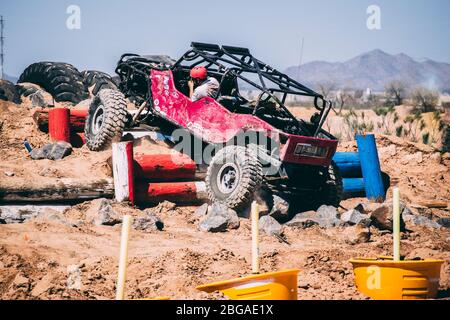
106	119
233	176
331	193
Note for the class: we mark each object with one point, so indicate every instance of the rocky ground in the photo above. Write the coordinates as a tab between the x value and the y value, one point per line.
71	252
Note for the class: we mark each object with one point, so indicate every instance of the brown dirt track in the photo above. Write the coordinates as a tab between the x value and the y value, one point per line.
35	255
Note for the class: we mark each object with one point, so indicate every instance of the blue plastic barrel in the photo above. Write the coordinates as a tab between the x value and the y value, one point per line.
349	164
370	167
353	186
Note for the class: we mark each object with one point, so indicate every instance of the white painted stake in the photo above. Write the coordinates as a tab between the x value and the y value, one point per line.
121	171
255	237
396	223
122	274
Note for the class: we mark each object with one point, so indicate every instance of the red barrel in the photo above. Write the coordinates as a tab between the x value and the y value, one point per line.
177	192
78	119
59	124
164	167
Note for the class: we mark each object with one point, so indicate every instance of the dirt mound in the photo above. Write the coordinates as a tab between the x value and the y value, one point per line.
68	258
417	169
16	125
55	260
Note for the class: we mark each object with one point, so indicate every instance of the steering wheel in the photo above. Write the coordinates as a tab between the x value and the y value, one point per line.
263	102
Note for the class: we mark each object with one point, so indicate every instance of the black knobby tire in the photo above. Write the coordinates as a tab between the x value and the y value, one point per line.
9	92
106	120
26	89
62	80
98	80
248	177
332	192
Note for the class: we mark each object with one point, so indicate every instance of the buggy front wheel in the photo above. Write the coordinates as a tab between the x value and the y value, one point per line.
233	177
106	119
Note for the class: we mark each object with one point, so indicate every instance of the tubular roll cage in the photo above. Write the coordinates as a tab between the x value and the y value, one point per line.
214	58
241	60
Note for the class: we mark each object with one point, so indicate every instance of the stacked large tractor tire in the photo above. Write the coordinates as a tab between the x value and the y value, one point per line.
9	92
96	80
62	80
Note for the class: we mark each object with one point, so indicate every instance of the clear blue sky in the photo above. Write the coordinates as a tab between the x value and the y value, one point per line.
333	30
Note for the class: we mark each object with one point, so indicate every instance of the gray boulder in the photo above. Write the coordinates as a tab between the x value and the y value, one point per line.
328	217
304	220
41	153
417	220
280	208
52	151
149	222
270	226
14	216
21	213
103	214
219	219
325	217
356	234
51	215
327	212
214	224
302	223
382	216
60	150
353	217
202	210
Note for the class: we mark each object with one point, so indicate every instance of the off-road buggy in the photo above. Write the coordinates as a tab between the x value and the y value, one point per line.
300	151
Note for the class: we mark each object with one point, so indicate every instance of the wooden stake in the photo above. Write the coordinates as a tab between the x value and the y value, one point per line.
255	237
396	223
122	274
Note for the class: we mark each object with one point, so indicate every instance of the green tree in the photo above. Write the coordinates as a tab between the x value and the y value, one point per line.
424	100
395	92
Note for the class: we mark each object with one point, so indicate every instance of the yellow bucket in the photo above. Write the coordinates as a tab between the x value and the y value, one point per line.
385	279
281	285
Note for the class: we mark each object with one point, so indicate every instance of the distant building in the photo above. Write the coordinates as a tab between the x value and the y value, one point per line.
366	95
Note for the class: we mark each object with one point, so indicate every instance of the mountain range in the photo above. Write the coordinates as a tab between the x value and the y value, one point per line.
374	70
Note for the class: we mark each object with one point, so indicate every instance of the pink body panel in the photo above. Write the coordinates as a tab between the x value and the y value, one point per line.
212	122
206	118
